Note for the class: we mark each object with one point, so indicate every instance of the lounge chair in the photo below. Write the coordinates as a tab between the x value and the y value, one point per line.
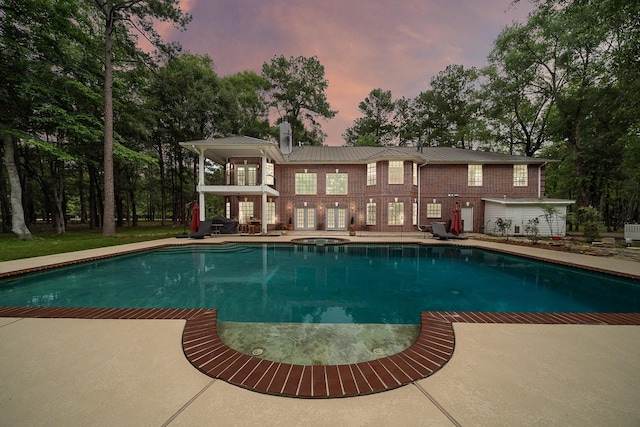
441	232
203	230
424	229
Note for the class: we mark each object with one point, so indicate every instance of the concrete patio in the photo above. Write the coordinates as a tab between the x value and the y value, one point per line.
134	372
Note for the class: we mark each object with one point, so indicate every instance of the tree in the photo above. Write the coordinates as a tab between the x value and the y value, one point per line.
45	46
378	121
126	15
297	91
517	100
454	99
245	99
184	95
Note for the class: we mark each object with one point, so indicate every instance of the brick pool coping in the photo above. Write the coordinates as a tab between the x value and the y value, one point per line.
429	353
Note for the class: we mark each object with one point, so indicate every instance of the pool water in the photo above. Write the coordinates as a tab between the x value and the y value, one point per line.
348	284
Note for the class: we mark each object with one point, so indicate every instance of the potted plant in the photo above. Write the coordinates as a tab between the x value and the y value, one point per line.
290	225
352	227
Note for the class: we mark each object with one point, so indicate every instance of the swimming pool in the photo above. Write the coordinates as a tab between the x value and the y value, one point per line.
352	283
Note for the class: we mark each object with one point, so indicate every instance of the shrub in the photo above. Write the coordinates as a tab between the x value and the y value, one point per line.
532	230
503	226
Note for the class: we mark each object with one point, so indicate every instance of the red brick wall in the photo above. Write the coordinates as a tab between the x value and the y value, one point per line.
445	183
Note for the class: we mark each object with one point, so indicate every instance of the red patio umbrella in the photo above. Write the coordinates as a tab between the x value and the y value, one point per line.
195	217
456	221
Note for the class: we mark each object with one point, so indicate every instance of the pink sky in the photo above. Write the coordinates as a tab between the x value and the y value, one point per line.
396	45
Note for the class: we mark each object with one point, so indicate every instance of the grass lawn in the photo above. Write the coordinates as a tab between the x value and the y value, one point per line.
78	237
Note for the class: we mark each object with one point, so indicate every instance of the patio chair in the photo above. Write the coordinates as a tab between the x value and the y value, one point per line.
203	230
441	232
424	229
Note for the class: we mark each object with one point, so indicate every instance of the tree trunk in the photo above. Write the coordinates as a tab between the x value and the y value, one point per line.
18	225
163	187
94	199
57	177
4	203
108	224
83	198
134	210
119	210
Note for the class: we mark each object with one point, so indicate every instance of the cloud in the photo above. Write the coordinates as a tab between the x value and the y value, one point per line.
362	44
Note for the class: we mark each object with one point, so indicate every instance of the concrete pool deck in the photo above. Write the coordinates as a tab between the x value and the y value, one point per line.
134	372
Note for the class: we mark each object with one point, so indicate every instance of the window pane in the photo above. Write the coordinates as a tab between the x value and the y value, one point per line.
271	180
371	214
299	218
241	175
414	214
415	174
337	183
245	212
396	213
252	175
396	172
520	175
434	210
306	183
475	175
271	213
371	174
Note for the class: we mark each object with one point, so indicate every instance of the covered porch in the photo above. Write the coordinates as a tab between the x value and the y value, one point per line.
221	151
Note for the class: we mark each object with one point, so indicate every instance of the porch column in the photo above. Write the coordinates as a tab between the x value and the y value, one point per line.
263	185
203	209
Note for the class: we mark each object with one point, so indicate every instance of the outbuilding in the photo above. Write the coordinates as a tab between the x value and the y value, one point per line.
517	217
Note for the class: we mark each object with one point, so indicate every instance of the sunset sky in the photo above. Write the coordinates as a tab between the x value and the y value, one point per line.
396	45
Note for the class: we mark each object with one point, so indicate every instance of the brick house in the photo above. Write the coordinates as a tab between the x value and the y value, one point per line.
276	186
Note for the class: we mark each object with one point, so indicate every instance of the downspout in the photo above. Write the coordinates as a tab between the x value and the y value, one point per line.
419	192
263	180
540	179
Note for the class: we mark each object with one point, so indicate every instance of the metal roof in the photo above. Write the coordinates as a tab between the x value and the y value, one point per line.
220	150
432	155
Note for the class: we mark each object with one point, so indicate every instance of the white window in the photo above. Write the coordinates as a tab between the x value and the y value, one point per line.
227	174
434	210
414	214
337	183
271	174
396	172
371	214
415	174
245	212
474	175
371	174
306	183
227	210
271	213
246	174
396	213
520	175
